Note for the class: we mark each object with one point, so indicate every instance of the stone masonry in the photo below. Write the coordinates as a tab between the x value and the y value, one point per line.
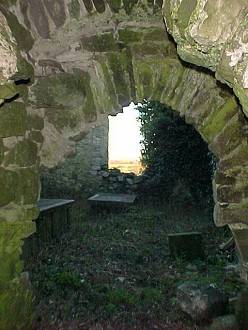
66	64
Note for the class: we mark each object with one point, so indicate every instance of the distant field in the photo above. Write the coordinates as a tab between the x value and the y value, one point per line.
126	166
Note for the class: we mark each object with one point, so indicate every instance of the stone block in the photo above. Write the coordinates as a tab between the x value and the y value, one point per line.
186	245
201	303
23	154
227	322
8	180
8	91
28	188
16	300
13	119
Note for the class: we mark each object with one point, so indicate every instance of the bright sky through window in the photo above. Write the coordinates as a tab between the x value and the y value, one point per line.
124	135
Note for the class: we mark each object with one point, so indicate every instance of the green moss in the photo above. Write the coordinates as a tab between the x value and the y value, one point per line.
231	165
88	5
144	76
128	36
1	151
89	107
99	5
185	11
16	300
129	5
60	90
217	120
35	122
23	154
165	49
23	37
8	181
229	138
36	136
61	118
118	64
74	9
67	97
114	5
8	91
25	70
155	34
13	119
100	43
242	94
28	187
167	14
10	2
108	83
16	307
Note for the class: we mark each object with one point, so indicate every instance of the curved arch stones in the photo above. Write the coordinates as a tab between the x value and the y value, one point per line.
84	59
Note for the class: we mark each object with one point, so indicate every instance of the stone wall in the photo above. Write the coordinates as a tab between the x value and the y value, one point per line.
64	64
78	176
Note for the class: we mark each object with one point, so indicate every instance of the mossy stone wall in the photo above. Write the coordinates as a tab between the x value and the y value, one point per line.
82	60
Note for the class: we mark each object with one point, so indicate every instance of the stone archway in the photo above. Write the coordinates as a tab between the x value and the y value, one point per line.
85	59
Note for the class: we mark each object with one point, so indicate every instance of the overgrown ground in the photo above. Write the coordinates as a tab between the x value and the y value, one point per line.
113	270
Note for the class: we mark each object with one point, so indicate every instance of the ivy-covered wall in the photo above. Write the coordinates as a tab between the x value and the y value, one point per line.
67	64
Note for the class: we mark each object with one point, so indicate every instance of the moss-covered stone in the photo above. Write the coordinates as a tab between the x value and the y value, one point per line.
231	133
118	64
128	35
100	43
8	180
28	187
16	306
129	5
144	77
108	82
161	49
88	5
60	90
16	300
218	119
13	119
36	136
25	70
185	11
74	9
8	91
23	154
35	122
18	31
235	160
89	108
155	34
1	151
114	5
99	5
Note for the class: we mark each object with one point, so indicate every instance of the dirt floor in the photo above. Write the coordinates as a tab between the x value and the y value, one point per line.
113	270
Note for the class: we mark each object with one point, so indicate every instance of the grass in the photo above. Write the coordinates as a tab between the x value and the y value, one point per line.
113	270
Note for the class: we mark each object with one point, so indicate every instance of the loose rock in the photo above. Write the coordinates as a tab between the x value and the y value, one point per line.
202	303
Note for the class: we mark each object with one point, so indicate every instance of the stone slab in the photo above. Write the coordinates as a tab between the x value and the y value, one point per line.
110	198
186	245
48	204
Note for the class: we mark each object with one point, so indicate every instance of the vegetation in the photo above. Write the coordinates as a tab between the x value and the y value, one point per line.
114	271
174	154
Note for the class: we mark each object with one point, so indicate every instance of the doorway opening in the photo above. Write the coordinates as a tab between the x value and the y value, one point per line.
124	148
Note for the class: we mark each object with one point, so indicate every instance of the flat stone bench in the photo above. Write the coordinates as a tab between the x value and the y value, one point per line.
112	200
54	220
